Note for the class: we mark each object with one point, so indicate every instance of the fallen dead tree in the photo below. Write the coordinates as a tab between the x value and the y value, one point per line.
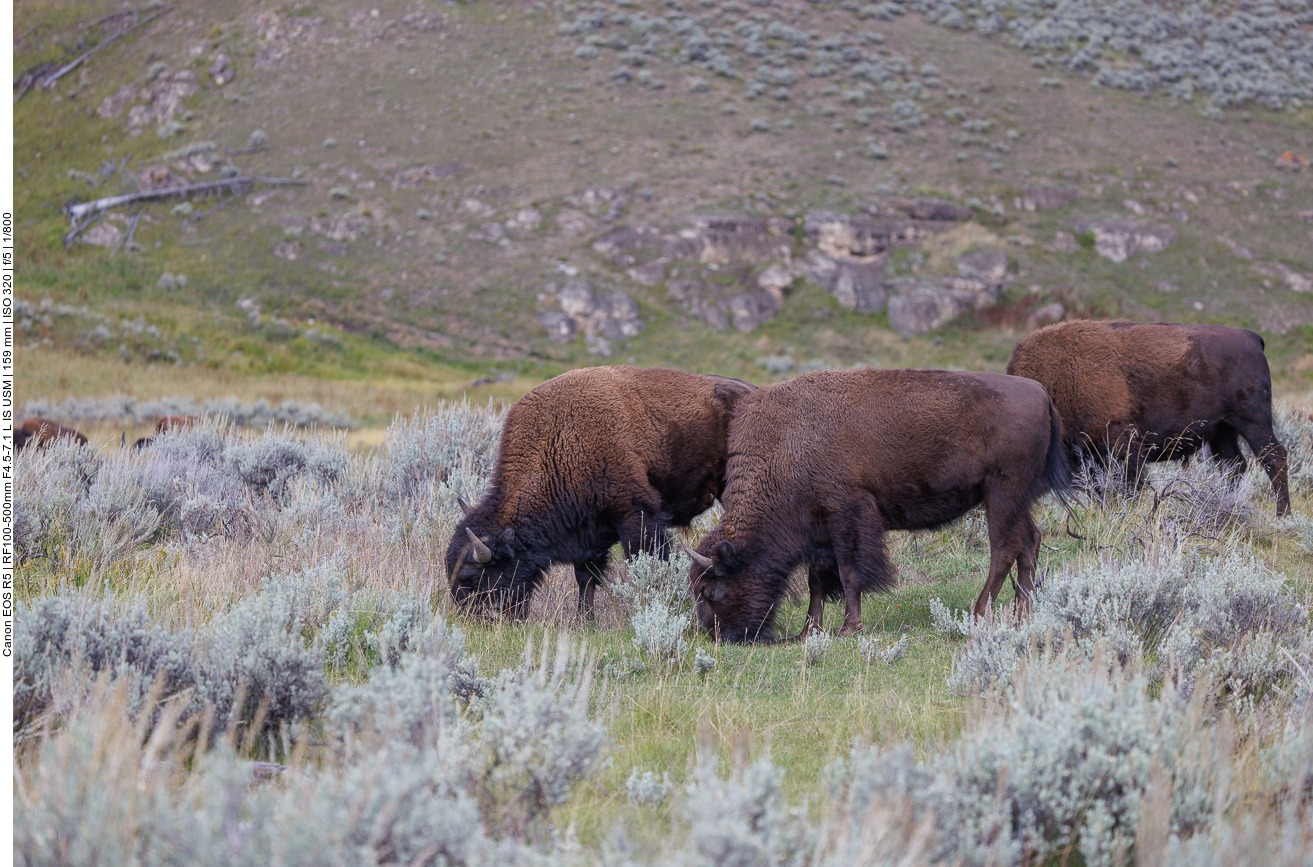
77	211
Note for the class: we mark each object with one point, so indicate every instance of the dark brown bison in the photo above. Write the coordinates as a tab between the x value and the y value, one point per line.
41	432
1158	392
823	465
591	458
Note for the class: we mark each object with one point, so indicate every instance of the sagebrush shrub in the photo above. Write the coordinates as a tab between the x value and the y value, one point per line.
659	632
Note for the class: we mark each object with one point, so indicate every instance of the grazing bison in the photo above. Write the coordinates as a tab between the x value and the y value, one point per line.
588	459
823	465
41	432
1158	392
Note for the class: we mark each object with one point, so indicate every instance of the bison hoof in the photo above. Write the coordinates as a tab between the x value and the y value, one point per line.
850	629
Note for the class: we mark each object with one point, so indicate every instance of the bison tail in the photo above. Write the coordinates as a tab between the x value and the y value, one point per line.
1058	475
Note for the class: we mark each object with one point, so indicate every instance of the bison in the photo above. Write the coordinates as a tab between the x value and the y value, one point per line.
593	457
41	432
1158	392
822	466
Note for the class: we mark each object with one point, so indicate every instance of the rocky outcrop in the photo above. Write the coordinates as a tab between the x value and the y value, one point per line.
722	306
612	315
922	306
724	240
1118	240
856	282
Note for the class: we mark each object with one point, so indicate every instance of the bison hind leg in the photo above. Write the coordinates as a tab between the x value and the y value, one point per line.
1225	446
1013	539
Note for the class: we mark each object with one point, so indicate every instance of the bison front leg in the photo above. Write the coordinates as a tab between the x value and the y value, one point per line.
857	533
816	581
1264	443
588	576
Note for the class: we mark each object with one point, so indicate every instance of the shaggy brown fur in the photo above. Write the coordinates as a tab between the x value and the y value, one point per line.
591	458
823	465
41	432
1158	392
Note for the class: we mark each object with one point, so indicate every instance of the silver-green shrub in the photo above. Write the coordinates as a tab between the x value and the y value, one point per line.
1229	619
659	632
742	820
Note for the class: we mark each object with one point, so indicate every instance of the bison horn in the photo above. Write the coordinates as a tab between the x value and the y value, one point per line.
464	506
482	552
704	562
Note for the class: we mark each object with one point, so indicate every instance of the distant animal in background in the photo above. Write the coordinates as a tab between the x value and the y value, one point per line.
822	466
41	432
1139	392
168	423
176	422
588	459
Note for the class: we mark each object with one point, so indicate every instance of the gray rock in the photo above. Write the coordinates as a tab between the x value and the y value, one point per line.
221	70
649	273
1296	281
613	315
722	240
1118	240
863	236
752	309
572	223
988	264
919	308
931	209
857	283
560	326
1045	198
344	228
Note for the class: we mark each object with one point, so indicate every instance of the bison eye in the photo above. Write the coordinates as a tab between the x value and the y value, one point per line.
715	592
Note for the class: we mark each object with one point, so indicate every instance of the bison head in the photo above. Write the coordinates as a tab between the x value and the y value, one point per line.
731	603
485	573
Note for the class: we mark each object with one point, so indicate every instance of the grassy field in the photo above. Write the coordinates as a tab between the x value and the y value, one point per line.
341	557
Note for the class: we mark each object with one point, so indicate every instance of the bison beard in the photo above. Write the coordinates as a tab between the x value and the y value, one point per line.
1158	392
586	460
823	465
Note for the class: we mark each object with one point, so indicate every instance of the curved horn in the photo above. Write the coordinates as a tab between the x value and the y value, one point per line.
464	506
482	552
704	562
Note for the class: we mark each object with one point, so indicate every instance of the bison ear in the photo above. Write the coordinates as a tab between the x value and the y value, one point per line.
725	551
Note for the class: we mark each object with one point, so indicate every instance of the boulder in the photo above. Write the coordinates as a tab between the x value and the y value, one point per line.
863	236
1118	240
857	283
988	264
722	240
921	307
613	315
752	309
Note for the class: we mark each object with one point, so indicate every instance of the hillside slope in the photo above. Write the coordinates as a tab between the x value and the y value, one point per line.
746	187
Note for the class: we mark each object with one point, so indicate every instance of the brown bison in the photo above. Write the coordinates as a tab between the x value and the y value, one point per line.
1158	392
591	458
41	432
823	465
